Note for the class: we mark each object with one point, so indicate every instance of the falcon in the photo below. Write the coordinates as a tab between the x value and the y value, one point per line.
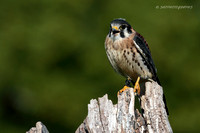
129	55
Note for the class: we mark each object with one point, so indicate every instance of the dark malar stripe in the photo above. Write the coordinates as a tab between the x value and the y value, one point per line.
122	34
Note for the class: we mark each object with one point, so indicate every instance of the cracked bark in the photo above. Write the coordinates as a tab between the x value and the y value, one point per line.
104	117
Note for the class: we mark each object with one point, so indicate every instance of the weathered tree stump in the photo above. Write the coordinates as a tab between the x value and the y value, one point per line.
104	117
40	128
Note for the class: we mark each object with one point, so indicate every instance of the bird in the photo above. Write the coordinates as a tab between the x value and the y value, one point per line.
130	56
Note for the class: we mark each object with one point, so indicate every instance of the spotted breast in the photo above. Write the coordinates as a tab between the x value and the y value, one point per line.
126	59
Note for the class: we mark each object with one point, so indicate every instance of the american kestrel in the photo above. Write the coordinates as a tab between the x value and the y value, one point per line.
129	55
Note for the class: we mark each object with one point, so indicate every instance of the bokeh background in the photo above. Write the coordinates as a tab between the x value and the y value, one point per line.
52	59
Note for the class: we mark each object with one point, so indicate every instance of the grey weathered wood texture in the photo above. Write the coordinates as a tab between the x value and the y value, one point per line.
104	117
39	128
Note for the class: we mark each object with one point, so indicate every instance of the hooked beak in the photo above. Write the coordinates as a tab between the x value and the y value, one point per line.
115	29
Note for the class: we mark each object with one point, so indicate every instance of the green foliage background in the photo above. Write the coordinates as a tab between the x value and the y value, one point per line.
52	59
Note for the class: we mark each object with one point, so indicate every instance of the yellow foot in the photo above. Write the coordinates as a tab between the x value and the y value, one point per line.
137	86
123	89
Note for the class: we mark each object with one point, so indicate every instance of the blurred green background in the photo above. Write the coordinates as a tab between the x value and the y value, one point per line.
52	59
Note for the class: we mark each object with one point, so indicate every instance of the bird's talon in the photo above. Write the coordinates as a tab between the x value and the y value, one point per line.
122	90
137	86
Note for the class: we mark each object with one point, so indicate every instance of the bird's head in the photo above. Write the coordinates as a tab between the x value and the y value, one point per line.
119	29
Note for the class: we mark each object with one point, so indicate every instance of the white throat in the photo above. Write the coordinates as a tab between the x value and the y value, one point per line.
117	36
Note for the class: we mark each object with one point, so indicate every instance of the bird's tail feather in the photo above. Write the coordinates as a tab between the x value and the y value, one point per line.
164	99
166	108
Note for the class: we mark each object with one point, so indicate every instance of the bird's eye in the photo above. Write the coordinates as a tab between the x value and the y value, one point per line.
122	27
